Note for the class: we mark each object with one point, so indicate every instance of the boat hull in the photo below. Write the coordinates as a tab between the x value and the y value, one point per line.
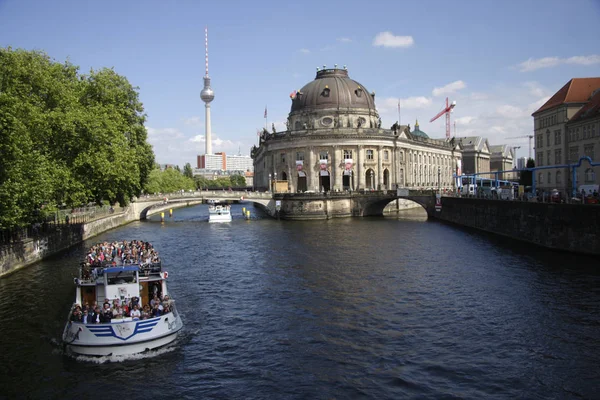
121	338
220	218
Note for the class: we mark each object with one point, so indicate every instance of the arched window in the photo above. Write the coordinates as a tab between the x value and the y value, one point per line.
590	176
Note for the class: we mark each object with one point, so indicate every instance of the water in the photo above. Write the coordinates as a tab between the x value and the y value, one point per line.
383	308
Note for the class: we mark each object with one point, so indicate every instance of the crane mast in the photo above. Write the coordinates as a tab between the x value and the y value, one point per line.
447	110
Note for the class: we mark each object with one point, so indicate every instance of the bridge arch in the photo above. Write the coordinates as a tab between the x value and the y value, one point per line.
375	207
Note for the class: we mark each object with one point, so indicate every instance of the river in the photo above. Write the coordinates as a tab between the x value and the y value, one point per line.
378	308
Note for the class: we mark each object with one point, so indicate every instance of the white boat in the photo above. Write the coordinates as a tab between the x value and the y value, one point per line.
123	334
219	213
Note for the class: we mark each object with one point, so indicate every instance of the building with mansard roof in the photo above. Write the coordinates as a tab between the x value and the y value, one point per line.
566	128
335	141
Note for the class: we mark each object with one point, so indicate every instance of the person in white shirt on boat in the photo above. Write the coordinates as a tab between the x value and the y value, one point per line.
135	313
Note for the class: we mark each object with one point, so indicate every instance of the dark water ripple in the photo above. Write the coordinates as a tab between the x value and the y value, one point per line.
372	308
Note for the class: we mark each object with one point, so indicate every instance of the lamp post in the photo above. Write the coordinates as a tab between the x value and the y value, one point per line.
275	180
439	171
270	183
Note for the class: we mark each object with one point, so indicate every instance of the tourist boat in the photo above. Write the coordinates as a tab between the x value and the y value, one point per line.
219	212
121	335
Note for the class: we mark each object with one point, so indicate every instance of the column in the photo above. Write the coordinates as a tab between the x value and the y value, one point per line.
379	186
335	170
360	181
310	170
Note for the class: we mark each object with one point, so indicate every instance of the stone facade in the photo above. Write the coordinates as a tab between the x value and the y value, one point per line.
566	128
334	142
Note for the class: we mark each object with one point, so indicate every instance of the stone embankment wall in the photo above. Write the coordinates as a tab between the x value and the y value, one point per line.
569	227
29	251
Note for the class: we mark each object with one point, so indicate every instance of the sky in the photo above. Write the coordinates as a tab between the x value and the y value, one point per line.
499	61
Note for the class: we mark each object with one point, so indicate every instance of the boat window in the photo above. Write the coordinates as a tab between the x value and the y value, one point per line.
121	279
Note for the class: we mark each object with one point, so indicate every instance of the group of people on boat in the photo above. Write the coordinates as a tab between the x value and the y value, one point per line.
132	252
117	310
118	253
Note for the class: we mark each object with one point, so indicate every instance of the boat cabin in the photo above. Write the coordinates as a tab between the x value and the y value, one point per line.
120	282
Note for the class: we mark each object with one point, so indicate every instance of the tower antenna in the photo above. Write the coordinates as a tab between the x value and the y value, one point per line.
206	48
207	95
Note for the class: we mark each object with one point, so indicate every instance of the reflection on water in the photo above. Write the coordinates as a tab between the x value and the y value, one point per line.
410	214
390	307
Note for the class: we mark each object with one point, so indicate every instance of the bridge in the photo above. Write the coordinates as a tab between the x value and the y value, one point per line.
294	205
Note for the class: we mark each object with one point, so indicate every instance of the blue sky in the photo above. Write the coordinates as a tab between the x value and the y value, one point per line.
498	60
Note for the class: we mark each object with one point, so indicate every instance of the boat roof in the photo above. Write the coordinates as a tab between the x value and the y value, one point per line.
123	268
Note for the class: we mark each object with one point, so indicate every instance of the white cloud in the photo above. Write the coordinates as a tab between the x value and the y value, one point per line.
415	102
304	51
193	121
533	64
583	60
535	89
172	146
498	130
344	40
390	104
449	88
388	39
510	112
531	108
464	120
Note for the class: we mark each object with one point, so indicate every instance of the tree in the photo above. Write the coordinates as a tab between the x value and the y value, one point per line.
187	170
526	176
168	181
66	138
238	181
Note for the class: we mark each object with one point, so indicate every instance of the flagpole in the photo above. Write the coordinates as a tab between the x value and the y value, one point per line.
399	115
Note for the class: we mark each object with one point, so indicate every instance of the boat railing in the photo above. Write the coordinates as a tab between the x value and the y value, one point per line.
89	273
172	310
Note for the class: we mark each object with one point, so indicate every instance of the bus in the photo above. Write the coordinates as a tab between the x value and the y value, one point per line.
488	187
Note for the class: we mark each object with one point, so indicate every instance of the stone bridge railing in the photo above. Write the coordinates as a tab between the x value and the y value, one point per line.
294	205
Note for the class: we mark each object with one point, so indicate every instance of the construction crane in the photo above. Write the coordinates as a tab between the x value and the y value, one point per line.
523	137
447	110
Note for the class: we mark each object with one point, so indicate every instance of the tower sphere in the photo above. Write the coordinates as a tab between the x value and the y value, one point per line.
207	94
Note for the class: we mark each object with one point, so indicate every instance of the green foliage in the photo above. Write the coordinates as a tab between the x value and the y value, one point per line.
237	181
187	170
168	181
219	183
66	138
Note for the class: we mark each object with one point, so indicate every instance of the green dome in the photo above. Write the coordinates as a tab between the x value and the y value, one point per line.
418	132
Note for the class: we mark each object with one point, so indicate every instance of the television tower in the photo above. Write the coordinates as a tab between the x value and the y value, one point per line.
207	95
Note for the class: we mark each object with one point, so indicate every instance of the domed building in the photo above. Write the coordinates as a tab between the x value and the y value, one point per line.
334	141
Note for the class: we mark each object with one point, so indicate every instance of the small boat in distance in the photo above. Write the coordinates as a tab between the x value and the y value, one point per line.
218	212
122	305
